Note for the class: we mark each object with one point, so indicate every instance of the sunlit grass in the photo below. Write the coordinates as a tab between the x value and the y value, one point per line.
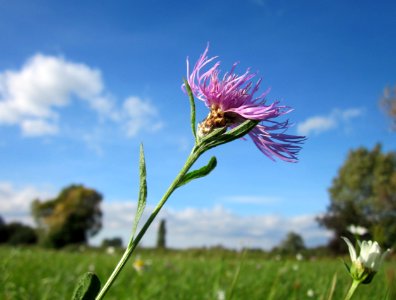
46	274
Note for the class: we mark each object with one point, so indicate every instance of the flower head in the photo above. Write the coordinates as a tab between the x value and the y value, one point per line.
367	264
310	293
357	230
231	100
139	265
220	295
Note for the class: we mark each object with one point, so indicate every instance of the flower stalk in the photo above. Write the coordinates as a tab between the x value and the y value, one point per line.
352	290
195	154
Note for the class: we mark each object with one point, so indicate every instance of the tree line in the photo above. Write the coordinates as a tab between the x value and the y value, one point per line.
363	193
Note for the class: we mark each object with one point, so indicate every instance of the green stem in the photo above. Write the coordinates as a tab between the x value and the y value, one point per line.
236	275
194	155
352	290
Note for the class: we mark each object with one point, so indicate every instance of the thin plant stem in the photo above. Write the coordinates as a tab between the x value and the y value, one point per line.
194	155
236	275
332	287
352	290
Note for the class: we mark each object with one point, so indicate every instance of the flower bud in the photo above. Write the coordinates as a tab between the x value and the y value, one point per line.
367	264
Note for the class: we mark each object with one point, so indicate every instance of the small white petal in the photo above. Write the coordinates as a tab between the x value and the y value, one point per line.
352	251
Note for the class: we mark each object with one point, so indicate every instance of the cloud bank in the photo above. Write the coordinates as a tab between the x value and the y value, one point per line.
188	227
33	97
198	227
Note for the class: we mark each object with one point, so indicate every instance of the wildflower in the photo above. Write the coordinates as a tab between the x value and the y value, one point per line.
357	230
367	264
231	101
110	250
220	295
139	265
310	293
299	256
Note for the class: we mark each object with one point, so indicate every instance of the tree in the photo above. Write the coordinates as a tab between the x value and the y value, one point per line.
112	242
161	236
3	231
70	218
292	244
21	234
364	193
388	104
16	233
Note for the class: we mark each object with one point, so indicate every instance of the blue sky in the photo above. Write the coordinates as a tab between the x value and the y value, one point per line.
82	84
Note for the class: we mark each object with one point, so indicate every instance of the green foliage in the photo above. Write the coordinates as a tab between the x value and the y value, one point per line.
16	233
161	236
87	288
142	191
112	242
388	104
292	244
70	218
3	231
364	193
201	172
192	108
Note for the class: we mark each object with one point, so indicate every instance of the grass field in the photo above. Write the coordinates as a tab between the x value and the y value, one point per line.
46	274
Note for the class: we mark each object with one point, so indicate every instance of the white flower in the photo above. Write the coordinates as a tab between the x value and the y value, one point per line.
310	293
299	256
221	295
110	250
357	230
368	262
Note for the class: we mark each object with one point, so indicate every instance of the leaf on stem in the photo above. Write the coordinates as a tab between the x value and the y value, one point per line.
202	172
192	108
142	191
87	288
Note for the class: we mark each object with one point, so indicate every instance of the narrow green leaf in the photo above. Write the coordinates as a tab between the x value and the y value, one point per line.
213	134
87	287
231	135
192	108
242	129
332	287
205	170
347	266
142	191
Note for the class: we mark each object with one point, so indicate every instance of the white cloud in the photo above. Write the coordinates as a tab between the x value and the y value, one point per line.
33	96
193	227
319	124
37	127
316	125
29	97
140	114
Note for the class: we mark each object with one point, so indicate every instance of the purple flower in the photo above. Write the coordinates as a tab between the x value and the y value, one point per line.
231	100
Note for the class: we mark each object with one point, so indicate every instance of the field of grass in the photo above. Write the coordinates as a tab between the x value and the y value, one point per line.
47	274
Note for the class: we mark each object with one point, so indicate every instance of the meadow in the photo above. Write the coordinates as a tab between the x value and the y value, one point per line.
35	273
